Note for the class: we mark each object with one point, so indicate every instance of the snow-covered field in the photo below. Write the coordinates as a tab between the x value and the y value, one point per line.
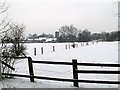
102	52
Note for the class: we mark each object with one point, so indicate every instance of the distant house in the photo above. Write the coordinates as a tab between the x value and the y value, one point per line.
51	40
37	40
42	40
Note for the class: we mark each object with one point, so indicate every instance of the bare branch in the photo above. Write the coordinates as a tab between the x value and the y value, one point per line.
4	26
4	10
5	31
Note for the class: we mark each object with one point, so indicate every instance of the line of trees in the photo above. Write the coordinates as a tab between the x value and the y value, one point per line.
72	34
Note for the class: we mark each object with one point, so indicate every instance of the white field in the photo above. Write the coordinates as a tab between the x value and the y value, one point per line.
102	52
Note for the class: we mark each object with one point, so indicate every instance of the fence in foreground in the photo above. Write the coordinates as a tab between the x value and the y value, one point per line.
74	65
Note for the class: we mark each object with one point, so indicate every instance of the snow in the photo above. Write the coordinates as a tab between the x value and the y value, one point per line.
102	52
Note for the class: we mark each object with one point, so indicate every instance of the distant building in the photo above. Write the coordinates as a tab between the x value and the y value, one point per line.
42	40
56	34
51	40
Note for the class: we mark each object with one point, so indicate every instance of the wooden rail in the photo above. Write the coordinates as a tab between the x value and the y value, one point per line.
11	57
8	65
61	79
98	64
79	64
97	72
14	57
53	62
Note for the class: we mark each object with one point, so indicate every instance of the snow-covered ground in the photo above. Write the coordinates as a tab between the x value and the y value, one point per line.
102	52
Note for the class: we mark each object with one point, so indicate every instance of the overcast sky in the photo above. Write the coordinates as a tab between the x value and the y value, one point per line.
49	15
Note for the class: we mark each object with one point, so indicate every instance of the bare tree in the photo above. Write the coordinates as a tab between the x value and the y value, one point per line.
16	37
68	33
12	46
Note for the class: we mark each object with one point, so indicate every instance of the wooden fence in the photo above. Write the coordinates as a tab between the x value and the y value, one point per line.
74	64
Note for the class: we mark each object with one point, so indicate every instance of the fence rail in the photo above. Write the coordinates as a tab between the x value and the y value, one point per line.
53	62
79	64
4	63
14	57
74	65
97	72
8	65
98	64
61	79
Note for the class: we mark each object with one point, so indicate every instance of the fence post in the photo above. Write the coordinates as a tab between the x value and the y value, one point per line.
66	46
53	48
35	51
42	50
30	69
75	74
69	46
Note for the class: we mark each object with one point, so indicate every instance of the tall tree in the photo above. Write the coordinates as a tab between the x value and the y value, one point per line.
16	48
84	36
68	33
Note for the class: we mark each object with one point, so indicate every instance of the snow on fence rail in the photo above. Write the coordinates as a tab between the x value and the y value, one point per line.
75	79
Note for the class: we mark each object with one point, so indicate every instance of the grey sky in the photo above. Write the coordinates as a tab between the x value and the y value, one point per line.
49	15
